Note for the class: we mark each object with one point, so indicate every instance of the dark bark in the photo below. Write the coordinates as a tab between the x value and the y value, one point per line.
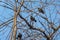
31	27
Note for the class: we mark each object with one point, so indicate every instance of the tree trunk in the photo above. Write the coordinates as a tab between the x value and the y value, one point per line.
14	27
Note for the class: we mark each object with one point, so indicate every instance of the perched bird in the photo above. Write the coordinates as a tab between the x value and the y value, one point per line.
19	36
41	10
32	19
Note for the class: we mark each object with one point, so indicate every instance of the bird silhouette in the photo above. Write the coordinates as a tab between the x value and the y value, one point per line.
32	19
41	10
20	35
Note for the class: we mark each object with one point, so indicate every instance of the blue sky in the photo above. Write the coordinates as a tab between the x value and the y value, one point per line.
50	9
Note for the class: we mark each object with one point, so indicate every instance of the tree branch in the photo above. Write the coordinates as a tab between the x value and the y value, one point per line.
31	27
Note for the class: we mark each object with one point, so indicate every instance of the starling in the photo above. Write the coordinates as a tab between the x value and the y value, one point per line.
32	19
20	35
41	10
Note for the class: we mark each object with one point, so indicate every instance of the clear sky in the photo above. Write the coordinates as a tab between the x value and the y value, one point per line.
51	11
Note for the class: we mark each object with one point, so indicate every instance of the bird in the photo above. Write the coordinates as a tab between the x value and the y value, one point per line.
19	35
32	18
40	10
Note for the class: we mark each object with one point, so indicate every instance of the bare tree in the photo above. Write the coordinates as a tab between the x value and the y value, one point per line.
34	19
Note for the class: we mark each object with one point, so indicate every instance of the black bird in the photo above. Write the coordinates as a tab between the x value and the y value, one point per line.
32	19
19	35
41	10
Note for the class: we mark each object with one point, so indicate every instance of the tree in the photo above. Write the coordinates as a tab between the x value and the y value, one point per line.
46	26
